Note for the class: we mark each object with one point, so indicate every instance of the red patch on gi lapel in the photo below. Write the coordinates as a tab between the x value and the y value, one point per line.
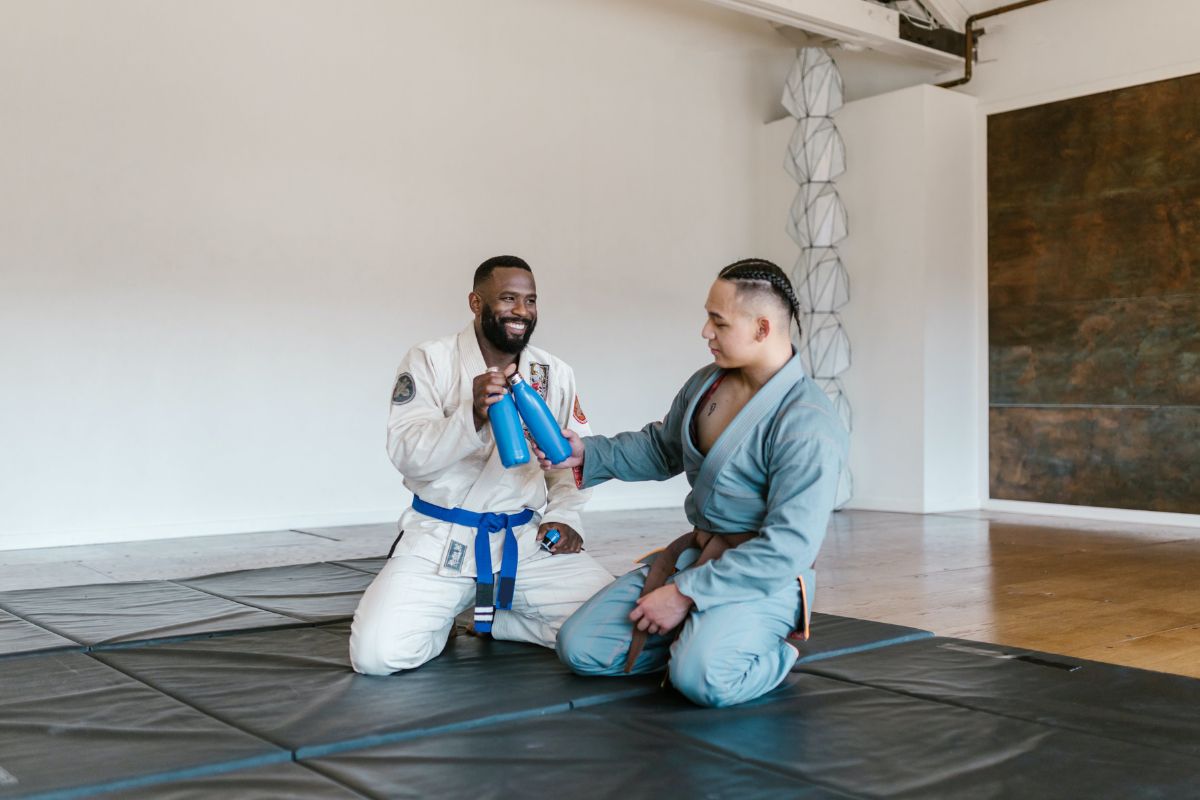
539	378
580	417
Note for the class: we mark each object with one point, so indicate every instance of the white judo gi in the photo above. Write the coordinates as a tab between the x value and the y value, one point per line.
407	613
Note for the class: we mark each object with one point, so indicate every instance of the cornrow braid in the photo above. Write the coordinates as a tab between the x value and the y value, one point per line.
759	270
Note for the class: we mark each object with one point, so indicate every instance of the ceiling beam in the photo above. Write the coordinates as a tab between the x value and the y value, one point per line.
855	22
948	13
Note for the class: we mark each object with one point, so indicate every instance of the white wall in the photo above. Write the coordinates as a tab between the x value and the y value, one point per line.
913	311
1069	48
222	224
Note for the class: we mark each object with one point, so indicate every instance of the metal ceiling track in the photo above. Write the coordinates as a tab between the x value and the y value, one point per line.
855	22
972	38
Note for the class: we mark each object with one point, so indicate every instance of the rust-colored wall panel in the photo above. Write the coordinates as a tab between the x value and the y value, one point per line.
1094	248
1139	350
1142	458
1094	299
1122	142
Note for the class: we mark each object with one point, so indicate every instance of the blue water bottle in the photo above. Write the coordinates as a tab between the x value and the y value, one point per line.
541	423
506	428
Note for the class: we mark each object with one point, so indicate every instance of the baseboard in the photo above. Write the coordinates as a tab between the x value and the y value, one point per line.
1127	515
954	504
617	496
900	505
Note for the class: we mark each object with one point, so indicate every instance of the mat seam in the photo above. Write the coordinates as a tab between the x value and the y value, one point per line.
965	707
373	740
917	636
282	748
41	625
280	756
133	644
328	777
157	779
351	566
648	727
87	648
261	608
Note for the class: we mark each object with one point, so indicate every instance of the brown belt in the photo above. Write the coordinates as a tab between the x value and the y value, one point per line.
711	546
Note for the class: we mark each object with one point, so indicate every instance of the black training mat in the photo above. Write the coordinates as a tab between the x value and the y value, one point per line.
111	613
68	722
574	755
273	782
1151	709
371	565
307	592
831	635
870	742
295	688
18	637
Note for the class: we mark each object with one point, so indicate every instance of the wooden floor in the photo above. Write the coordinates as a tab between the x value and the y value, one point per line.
1118	593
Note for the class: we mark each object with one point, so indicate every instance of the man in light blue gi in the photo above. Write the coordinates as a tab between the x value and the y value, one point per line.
762	448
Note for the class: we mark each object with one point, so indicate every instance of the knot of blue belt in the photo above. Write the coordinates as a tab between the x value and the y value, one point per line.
486	600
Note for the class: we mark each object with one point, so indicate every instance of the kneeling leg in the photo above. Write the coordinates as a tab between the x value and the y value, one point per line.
595	639
405	616
733	653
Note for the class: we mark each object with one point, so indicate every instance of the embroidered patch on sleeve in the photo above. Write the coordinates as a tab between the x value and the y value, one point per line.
580	417
404	390
539	378
455	555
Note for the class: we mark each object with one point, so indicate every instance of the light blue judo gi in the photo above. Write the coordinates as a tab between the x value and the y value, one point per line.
773	470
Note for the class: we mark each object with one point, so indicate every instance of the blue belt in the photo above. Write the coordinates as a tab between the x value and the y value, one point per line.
485	525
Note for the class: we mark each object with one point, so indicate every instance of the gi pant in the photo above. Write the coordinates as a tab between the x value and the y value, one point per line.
726	655
408	611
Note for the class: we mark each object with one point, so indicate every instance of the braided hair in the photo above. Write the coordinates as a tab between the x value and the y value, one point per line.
761	275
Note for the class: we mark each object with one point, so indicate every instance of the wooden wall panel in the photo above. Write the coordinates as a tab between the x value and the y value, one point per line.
1094	299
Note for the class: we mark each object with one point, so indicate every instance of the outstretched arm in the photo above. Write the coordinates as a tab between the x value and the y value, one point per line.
654	453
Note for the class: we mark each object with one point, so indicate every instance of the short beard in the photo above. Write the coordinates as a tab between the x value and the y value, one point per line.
494	332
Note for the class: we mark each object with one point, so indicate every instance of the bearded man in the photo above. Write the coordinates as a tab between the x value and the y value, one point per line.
471	517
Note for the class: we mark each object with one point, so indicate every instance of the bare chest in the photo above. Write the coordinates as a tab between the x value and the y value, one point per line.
715	411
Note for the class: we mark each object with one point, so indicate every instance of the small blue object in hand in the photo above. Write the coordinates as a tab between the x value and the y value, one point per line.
550	539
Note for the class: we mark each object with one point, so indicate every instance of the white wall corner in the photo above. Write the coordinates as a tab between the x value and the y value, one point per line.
951	398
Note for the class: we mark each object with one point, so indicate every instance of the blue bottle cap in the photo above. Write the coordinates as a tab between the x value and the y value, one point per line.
551	538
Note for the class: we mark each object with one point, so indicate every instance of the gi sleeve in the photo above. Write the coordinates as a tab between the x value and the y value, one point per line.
422	440
654	453
564	498
802	481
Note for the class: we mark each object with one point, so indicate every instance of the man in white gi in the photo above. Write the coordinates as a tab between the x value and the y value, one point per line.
467	507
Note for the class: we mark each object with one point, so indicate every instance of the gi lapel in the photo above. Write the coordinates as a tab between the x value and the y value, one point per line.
763	403
471	363
470	357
